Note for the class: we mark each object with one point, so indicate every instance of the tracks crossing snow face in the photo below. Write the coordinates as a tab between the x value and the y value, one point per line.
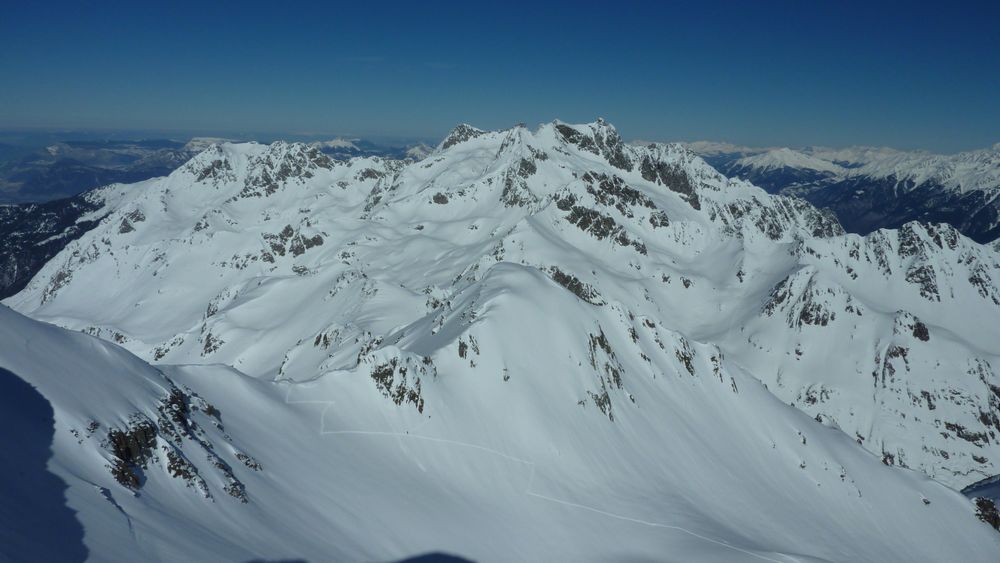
531	465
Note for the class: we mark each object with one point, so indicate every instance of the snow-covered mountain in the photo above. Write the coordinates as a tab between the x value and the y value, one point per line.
962	172
34	232
778	169
871	188
591	339
787	158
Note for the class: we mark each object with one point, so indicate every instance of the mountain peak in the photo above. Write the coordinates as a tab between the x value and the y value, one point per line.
460	134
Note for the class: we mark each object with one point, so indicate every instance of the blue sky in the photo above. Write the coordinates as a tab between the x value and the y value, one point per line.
905	74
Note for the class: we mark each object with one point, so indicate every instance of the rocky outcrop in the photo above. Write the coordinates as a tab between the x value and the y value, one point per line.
169	442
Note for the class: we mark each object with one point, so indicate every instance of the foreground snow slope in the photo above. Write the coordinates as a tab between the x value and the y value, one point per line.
288	265
489	460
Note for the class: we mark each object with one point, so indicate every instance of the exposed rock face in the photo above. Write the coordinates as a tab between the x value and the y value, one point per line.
986	510
132	448
399	380
177	435
34	233
573	284
460	134
599	138
671	177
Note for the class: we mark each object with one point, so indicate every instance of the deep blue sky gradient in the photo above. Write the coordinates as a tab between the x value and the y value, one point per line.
905	74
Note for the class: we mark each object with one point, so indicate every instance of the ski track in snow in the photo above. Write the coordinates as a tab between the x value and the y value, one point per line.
531	477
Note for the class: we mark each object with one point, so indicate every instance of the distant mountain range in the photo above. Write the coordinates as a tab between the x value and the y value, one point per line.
871	188
67	168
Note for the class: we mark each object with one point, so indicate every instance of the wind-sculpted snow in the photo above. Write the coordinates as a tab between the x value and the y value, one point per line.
599	315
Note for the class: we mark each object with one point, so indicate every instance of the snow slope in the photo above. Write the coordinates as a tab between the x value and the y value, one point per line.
705	465
515	280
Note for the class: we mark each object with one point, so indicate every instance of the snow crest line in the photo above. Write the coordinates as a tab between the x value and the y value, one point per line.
531	477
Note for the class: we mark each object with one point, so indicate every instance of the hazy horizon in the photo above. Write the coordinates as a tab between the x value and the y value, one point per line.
773	74
39	136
